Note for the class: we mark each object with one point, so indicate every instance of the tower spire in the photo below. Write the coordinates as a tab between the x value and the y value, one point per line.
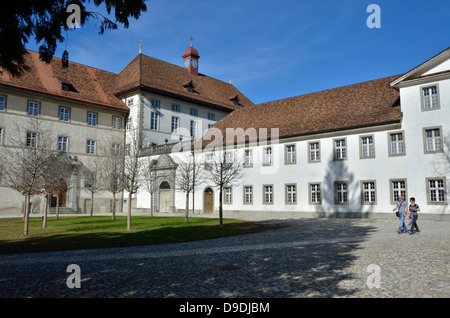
190	59
140	46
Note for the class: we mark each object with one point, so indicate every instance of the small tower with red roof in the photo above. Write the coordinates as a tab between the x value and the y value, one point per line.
190	59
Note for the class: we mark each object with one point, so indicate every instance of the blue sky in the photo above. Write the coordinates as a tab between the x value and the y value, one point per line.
274	49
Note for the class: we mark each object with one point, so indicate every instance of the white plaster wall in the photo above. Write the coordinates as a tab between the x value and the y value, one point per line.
76	129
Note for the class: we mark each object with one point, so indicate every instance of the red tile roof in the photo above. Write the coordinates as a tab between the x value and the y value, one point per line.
95	86
171	80
365	104
88	84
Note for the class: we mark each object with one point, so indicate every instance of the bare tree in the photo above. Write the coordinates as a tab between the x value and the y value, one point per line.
93	180
26	162
189	176
225	170
113	169
134	176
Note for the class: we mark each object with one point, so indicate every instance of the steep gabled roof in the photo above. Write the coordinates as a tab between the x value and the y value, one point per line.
418	71
91	85
360	105
86	84
171	80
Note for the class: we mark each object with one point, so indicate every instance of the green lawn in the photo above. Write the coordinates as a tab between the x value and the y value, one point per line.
84	232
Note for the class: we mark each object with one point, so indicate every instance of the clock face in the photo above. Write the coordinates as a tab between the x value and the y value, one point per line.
194	63
186	63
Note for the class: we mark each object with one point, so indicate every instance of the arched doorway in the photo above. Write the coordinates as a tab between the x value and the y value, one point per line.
164	197
209	200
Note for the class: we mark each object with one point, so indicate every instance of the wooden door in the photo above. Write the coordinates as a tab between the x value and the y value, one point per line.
209	201
164	200
62	200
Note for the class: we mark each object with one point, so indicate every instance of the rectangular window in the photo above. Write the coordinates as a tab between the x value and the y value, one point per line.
115	150
314	152
194	112
430	98
33	108
229	157
248	195
209	161
340	149
2	103
291	194
268	194
290	154
175	107
63	143
127	150
156	103
248	158
267	160
433	140
154	121
367	147
193	128
227	195
315	194
175	125
64	113
31	139
437	191
397	144
368	192
341	192
211	116
117	123
129	123
90	147
398	187
92	119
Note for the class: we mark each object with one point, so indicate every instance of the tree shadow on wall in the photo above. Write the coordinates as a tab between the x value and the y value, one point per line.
339	172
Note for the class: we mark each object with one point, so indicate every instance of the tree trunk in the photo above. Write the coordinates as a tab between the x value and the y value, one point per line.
187	208
92	205
129	212
114	206
220	208
151	204
57	205
26	214
44	221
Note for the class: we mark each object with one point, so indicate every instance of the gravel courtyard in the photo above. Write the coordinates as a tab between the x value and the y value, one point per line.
294	258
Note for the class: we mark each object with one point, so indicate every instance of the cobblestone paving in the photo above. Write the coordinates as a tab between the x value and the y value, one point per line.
295	258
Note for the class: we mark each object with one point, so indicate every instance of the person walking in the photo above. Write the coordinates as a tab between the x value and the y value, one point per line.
413	209
401	208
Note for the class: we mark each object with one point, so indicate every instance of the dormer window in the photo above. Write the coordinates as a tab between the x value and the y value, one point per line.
189	87
235	100
66	86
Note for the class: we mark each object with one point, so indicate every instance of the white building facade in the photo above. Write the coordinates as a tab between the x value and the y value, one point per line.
393	140
343	152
